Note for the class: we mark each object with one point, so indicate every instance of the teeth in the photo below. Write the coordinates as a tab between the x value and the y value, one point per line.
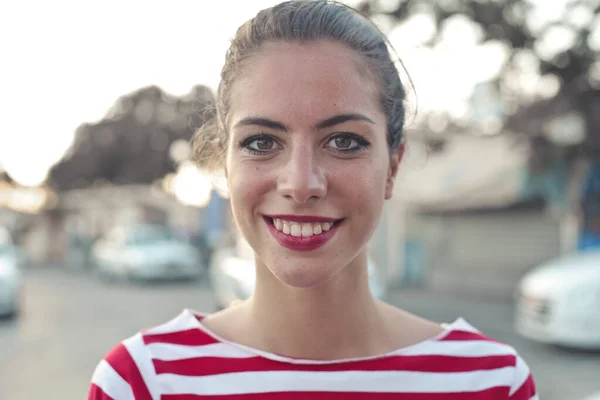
307	230
296	230
301	229
317	229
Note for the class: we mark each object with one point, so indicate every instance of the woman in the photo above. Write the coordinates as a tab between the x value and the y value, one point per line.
310	112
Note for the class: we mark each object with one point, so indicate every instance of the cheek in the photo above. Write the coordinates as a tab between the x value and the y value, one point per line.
360	192
364	183
247	184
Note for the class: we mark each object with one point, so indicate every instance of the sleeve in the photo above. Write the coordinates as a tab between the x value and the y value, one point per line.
117	377
523	386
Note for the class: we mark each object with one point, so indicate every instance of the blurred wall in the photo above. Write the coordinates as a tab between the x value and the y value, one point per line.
483	253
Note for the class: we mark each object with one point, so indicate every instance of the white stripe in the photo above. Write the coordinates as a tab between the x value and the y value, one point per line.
338	381
535	397
521	375
462	325
173	352
111	383
182	322
136	348
460	348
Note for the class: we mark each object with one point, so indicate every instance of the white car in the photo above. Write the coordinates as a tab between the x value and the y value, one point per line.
559	302
146	252
593	396
11	277
232	275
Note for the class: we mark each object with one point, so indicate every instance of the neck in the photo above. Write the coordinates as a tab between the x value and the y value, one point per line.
349	321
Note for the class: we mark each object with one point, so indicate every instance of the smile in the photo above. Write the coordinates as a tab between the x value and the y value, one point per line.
302	233
304	229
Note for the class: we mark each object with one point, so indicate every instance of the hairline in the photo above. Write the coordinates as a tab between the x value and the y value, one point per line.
363	64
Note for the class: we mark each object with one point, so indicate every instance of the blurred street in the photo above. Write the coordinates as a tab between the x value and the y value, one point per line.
71	320
497	195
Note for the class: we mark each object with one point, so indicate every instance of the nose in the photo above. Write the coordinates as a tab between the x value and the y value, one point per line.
302	178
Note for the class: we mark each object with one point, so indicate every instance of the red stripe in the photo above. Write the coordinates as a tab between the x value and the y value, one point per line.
96	393
190	337
526	391
493	393
122	362
215	365
463	336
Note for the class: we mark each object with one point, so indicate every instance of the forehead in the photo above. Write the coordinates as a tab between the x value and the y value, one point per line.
299	82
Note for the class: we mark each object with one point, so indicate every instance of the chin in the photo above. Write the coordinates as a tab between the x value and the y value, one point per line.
300	275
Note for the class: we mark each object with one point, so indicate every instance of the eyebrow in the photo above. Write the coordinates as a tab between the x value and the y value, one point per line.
258	121
338	119
327	123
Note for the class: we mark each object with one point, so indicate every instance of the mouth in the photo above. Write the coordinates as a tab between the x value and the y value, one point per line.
304	227
302	233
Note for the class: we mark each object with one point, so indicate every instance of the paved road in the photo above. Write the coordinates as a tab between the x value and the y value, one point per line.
71	320
560	374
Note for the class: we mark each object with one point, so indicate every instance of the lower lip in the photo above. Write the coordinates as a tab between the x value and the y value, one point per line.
301	243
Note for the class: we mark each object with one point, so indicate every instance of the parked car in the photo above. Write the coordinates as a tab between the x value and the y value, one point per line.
146	252
11	277
593	396
232	275
559	301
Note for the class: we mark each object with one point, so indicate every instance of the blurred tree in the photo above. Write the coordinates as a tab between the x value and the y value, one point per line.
559	38
4	177
131	144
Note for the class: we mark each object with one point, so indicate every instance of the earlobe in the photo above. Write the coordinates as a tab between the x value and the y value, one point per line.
395	159
389	189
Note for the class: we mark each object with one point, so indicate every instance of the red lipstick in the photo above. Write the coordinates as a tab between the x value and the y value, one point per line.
301	243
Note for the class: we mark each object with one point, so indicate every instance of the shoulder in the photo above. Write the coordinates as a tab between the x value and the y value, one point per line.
491	359
119	375
129	370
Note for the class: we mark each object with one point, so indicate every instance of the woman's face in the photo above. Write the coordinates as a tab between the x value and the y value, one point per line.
308	163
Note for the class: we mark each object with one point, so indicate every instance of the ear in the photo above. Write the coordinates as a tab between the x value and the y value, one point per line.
395	159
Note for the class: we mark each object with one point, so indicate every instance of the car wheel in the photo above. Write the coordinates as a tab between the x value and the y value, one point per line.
15	311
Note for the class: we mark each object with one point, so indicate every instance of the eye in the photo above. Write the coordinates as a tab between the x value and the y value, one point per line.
347	142
344	142
259	144
265	144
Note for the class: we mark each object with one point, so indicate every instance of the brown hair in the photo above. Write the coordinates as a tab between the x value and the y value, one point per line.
304	21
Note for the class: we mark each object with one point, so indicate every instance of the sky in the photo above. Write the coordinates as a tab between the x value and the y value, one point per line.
66	62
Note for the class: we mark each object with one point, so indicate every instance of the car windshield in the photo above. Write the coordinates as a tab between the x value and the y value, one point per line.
148	235
5	248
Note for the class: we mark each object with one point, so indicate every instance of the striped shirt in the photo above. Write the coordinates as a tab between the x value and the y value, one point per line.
182	360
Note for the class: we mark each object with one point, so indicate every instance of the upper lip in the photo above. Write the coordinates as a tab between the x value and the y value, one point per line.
302	218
